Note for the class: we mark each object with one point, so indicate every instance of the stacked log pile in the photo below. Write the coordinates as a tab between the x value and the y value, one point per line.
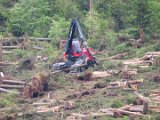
7	84
139	110
130	110
50	107
125	84
38	84
148	59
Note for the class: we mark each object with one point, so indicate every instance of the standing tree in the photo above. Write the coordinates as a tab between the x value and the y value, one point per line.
31	17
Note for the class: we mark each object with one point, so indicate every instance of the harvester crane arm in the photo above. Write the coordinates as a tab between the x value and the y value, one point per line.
75	26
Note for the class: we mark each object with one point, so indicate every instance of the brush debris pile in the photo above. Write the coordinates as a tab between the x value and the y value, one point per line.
38	84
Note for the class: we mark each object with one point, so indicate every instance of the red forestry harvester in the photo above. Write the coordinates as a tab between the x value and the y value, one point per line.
79	57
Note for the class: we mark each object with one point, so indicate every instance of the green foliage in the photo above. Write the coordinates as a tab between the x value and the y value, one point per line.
30	17
7	100
141	51
67	9
122	48
19	53
111	40
154	24
130	99
116	104
111	65
59	30
50	52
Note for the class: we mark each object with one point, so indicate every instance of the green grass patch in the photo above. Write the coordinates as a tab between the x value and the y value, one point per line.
7	99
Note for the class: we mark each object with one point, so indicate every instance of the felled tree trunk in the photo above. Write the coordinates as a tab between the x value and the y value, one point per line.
92	75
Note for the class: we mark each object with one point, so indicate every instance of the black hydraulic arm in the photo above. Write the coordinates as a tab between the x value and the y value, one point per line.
75	26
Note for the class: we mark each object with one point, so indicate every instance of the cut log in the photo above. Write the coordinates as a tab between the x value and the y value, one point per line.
38	48
95	115
107	112
100	74
123	82
136	62
137	108
11	47
157	99
52	109
8	91
153	53
78	115
13	82
7	63
41	104
126	112
82	93
66	105
113	87
154	108
119	56
40	39
145	108
92	75
145	99
6	52
12	86
125	107
136	81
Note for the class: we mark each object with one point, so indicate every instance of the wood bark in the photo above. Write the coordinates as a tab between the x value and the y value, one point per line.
145	107
100	74
137	108
145	99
